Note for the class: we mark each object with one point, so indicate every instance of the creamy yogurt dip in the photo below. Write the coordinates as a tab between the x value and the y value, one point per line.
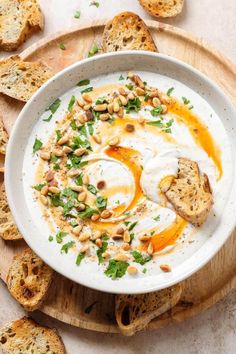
96	173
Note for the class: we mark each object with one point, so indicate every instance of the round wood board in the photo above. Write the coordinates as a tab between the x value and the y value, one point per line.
70	302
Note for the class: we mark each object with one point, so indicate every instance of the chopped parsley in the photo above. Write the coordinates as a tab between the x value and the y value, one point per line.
185	100
94	3
94	50
121	77
52	108
71	103
90	128
131	237
132	226
37	145
101	100
133	105
65	248
165	126
156	111
77	14
100	251
79	179
73	124
84	82
144	270
88	89
79	258
101	203
146	97
58	134
87	213
74	223
39	186
60	235
130	86
169	91
116	269
62	46
157	218
50	238
139	258
92	189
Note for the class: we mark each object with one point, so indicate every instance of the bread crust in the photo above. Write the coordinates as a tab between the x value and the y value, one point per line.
127	31
163	8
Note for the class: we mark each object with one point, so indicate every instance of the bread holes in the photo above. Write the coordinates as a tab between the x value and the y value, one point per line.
125	316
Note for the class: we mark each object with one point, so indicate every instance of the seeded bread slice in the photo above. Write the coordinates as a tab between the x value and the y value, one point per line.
20	79
26	336
28	279
190	193
19	19
3	138
8	229
163	8
134	312
127	31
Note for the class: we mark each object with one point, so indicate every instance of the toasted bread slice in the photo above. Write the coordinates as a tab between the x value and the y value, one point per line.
20	79
190	193
127	31
163	8
2	163
3	138
8	229
26	336
19	18
134	312
28	279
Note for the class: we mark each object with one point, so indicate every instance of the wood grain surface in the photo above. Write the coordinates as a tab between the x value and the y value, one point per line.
70	302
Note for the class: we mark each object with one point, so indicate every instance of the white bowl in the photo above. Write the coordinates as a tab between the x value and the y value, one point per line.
28	221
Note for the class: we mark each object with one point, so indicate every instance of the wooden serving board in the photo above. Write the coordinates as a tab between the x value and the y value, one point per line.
70	302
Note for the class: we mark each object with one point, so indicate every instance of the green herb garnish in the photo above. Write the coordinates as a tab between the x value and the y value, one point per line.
90	128
94	50
121	77
79	258
130	86
101	203
133	105
39	186
53	108
116	269
132	226
84	82
100	251
65	248
157	218
94	3
88	89
58	134
139	258
50	238
185	100
71	103
144	270
92	189
169	91
62	46
73	124
156	111
87	213
77	14
37	145
60	235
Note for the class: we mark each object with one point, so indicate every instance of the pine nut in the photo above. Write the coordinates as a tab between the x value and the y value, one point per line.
101	184
54	190
110	108
106	214
44	190
84	237
165	268
131	96
141	120
138	81
117	237
43	199
144	238
121	257
81	102
130	75
80	151
100	107
126	236
67	149
81	207
87	107
123	100
140	91
120	113
122	91
73	172
63	140
104	116
120	230
95	217
126	246
129	127
132	270
58	152
84	249
96	235
156	102
76	230
81	119
87	97
153	93
76	188
116	106
85	178
150	249
97	138
114	141
82	196
45	155
49	176
98	242
164	109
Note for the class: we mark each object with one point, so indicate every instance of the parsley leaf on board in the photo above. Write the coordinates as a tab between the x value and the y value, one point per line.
37	145
62	46
116	269
94	50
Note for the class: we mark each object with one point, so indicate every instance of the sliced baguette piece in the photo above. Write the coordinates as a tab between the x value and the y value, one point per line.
8	229
26	336
20	79
19	19
190	193
3	138
134	312
28	279
127	31
163	8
